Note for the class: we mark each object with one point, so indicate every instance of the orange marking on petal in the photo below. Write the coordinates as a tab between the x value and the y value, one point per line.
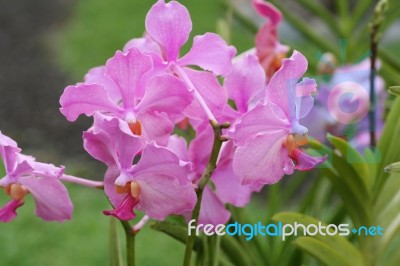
290	144
135	190
122	189
7	189
300	140
17	192
136	128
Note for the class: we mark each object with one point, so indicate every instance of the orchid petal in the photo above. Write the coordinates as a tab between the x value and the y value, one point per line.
305	162
262	118
97	75
8	212
282	87
155	127
112	142
6	141
178	145
212	209
169	24
262	159
51	197
268	10
124	211
245	81
109	186
144	44
165	93
162	195
86	99
159	160
210	52
304	100
126	70
210	90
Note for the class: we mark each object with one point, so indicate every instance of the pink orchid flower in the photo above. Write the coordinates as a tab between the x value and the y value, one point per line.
23	176
269	135
246	83
168	25
113	90
268	48
158	184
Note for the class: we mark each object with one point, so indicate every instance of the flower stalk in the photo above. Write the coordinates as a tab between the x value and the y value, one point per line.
212	164
130	243
376	23
82	181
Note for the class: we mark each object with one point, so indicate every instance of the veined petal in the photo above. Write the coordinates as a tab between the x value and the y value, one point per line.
210	52
261	160
9	157
111	138
6	141
245	81
144	44
262	118
210	90
51	197
97	75
304	162
178	145
96	144
86	99
304	100
160	161
109	186
8	212
268	10
212	209
126	70
155	127
165	93
124	211
162	194
169	24
282	87
229	187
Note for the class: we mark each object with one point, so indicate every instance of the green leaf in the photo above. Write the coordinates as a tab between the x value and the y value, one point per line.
388	146
234	251
337	243
347	183
321	251
387	210
176	231
354	158
115	245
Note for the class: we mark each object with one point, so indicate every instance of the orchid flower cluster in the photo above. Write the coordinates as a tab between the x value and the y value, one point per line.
146	90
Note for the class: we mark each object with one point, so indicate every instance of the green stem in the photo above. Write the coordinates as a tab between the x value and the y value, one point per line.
130	243
212	164
377	21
